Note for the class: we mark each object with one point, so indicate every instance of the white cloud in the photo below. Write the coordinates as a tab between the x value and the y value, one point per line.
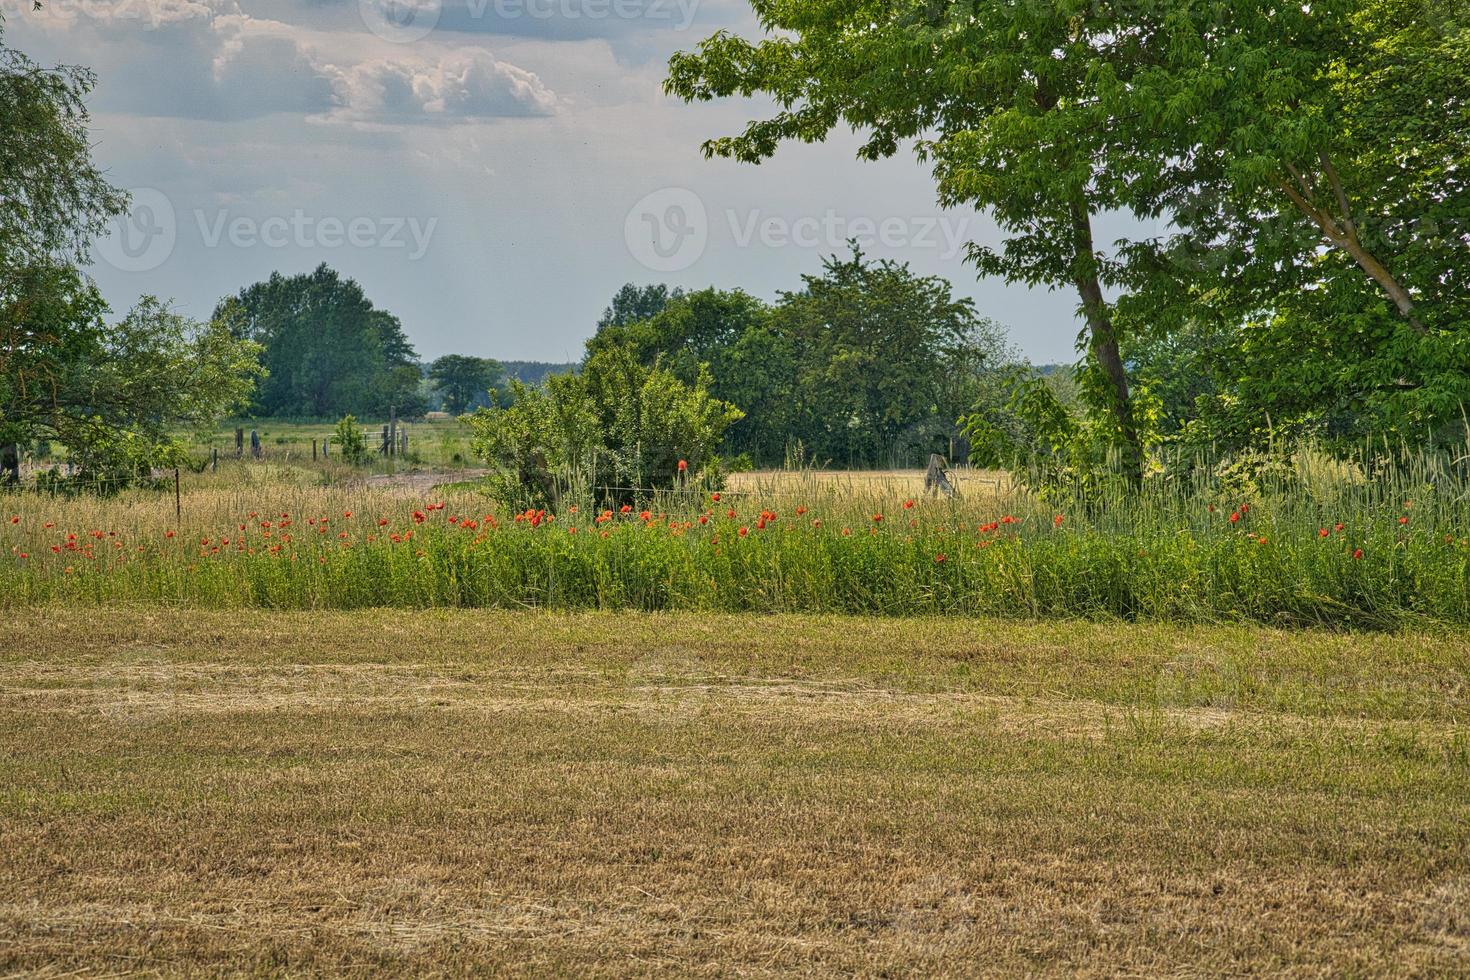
206	59
461	85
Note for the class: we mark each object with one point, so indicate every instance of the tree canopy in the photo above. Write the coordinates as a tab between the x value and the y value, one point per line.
327	350
868	364
465	382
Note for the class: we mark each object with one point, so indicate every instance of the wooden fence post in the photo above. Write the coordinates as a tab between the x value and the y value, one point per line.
214	460
239	442
255	449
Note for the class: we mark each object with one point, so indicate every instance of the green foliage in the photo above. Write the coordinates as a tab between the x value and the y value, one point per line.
53	199
114	394
1269	553
867	365
634	304
996	95
350	442
465	381
327	349
612	430
1021	425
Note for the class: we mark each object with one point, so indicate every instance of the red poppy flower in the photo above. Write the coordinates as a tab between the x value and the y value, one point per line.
626	509
1235	518
1403	520
940	559
744	532
715	497
1358	553
908	505
1057	521
877	518
1323	533
683	466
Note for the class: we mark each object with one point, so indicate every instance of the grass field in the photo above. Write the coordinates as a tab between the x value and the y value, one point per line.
469	791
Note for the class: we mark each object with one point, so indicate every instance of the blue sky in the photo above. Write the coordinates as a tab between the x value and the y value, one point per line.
490	170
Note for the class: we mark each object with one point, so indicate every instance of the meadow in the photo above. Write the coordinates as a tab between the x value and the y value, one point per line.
533	794
333	721
1335	551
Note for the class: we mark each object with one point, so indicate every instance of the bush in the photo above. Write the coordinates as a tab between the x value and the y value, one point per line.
612	432
351	446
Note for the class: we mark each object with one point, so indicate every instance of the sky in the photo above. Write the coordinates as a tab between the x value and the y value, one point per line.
491	171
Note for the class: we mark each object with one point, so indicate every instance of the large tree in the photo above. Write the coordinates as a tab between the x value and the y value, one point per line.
53	199
995	94
886	360
112	394
329	352
465	382
1314	158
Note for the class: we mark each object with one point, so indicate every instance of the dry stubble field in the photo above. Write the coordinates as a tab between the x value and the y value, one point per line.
633	794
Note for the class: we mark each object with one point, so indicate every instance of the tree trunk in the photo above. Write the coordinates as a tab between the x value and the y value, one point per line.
9	463
1103	342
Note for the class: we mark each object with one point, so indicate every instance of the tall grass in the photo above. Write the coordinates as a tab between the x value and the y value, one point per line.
1327	544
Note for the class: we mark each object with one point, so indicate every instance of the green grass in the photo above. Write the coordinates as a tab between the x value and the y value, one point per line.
537	794
442	443
1350	562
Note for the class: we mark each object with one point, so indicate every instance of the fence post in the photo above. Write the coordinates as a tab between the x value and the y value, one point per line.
392	430
239	442
214	460
313	450
255	449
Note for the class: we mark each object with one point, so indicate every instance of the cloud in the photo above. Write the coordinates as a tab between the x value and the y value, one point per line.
208	60
462	85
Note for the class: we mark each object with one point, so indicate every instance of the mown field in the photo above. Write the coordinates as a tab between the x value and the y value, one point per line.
536	794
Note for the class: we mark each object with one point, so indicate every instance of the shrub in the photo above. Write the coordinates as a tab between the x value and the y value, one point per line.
351	446
613	431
